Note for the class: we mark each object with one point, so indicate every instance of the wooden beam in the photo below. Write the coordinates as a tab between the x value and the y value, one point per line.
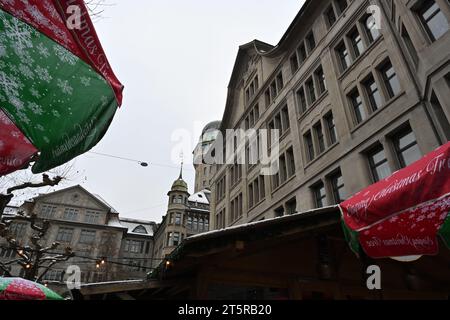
124	296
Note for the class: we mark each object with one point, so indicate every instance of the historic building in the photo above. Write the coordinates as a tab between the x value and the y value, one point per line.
93	229
354	100
187	215
203	170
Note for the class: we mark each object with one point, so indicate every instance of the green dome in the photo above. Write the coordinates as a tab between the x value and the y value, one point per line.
180	185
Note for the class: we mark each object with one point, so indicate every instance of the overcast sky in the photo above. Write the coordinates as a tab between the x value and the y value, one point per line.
175	59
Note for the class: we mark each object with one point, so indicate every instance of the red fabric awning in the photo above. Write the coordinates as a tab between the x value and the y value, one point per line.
403	214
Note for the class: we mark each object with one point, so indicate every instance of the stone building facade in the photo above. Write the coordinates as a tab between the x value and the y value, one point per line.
354	100
187	215
93	229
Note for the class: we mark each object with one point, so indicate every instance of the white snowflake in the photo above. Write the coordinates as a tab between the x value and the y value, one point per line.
37	15
85	81
49	7
17	103
64	55
421	218
2	51
9	84
46	139
23	117
56	113
43	74
26	71
64	86
393	219
35	93
443	216
43	51
40	128
35	108
19	34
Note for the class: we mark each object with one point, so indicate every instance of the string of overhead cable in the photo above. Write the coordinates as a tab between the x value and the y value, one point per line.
142	163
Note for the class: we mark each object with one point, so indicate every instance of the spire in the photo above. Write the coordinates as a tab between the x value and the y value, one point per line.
181	168
181	171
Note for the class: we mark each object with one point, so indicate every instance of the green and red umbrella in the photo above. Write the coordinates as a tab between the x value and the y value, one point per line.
20	289
58	93
404	215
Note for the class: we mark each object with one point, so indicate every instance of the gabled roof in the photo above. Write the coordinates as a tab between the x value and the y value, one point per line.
96	197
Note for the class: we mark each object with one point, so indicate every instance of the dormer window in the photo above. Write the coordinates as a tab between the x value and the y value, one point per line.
140	229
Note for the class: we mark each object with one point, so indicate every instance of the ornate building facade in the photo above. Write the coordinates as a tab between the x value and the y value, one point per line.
93	229
353	97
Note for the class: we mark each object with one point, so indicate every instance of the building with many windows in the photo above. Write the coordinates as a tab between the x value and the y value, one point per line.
354	99
93	229
187	215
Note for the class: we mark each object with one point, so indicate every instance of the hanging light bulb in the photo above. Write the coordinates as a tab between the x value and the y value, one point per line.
20	252
28	266
103	261
97	265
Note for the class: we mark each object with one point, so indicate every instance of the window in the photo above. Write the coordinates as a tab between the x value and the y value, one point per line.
370	25
356	41
406	147
433	20
220	219
236	208
274	89
311	41
320	78
301	51
92	216
220	188
251	89
294	63
7	253
87	237
250	196
342	5
320	137
311	91
290	162
262	188
54	275
189	223
291	206
309	146
134	246
285	119
140	229
330	16
18	229
331	126
195	224
373	94
71	214
320	195
379	165
440	116
357	106
178	217
279	212
173	239
337	184
409	45
283	169
48	211
301	100
390	79
64	235
344	57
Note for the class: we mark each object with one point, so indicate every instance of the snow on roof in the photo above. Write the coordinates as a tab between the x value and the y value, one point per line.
134	225
99	198
200	197
245	225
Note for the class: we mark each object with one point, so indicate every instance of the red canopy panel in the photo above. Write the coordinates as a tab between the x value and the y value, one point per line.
402	214
50	17
15	149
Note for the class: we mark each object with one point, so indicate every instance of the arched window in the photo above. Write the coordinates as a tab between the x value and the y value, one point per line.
195	224
140	229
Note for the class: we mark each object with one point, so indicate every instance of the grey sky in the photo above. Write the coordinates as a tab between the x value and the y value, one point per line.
175	59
